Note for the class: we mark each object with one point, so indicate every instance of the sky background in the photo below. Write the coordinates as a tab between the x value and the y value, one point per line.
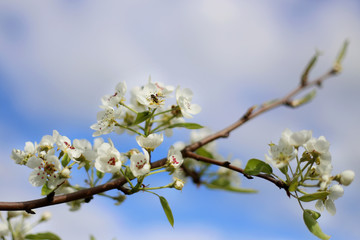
58	58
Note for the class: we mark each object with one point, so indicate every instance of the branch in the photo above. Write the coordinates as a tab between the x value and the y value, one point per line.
187	151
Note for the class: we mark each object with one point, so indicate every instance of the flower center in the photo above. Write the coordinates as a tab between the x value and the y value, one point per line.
112	161
140	164
174	161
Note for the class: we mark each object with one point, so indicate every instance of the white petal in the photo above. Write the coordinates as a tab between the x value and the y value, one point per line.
37	178
330	206
319	205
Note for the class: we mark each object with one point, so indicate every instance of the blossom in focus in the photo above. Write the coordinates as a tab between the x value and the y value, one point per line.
150	142
183	99
140	163
64	144
151	96
117	97
106	121
46	169
109	159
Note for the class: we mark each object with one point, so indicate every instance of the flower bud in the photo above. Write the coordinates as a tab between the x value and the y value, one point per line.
346	177
65	173
178	184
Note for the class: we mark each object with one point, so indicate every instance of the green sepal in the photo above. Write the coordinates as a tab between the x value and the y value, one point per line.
99	174
313	225
65	161
230	188
45	190
43	236
186	125
167	210
255	166
313	196
141	117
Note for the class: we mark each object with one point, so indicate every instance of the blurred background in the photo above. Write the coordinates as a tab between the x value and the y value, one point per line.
58	58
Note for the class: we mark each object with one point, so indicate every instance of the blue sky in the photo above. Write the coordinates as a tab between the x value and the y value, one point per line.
59	58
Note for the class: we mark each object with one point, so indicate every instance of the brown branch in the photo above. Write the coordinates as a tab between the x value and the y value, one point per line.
252	112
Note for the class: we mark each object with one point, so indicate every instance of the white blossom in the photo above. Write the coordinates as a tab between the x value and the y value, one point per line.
151	96
183	99
117	97
150	142
280	155
46	169
335	192
64	144
175	157
109	159
140	163
296	138
106	121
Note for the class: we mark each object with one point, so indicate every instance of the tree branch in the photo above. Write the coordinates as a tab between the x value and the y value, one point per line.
251	113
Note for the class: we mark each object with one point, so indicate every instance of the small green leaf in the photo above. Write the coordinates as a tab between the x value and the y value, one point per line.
310	65
186	125
167	210
337	66
141	117
45	190
313	196
43	236
92	237
313	226
203	152
231	188
307	98
256	166
65	161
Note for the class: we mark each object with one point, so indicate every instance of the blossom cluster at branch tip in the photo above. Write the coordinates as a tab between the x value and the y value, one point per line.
316	165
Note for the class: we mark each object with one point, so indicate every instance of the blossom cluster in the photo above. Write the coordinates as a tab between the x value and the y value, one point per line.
313	165
146	116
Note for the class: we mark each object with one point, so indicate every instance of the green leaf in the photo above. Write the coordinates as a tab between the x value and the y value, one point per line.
310	65
337	66
256	166
186	125
314	214
231	188
65	161
313	226
203	152
43	236
45	190
141	117
313	196
307	98
92	237
167	210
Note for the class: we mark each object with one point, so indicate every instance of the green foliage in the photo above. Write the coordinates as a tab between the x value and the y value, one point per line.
141	117
45	190
313	196
43	236
65	160
167	210
313	226
256	166
186	125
